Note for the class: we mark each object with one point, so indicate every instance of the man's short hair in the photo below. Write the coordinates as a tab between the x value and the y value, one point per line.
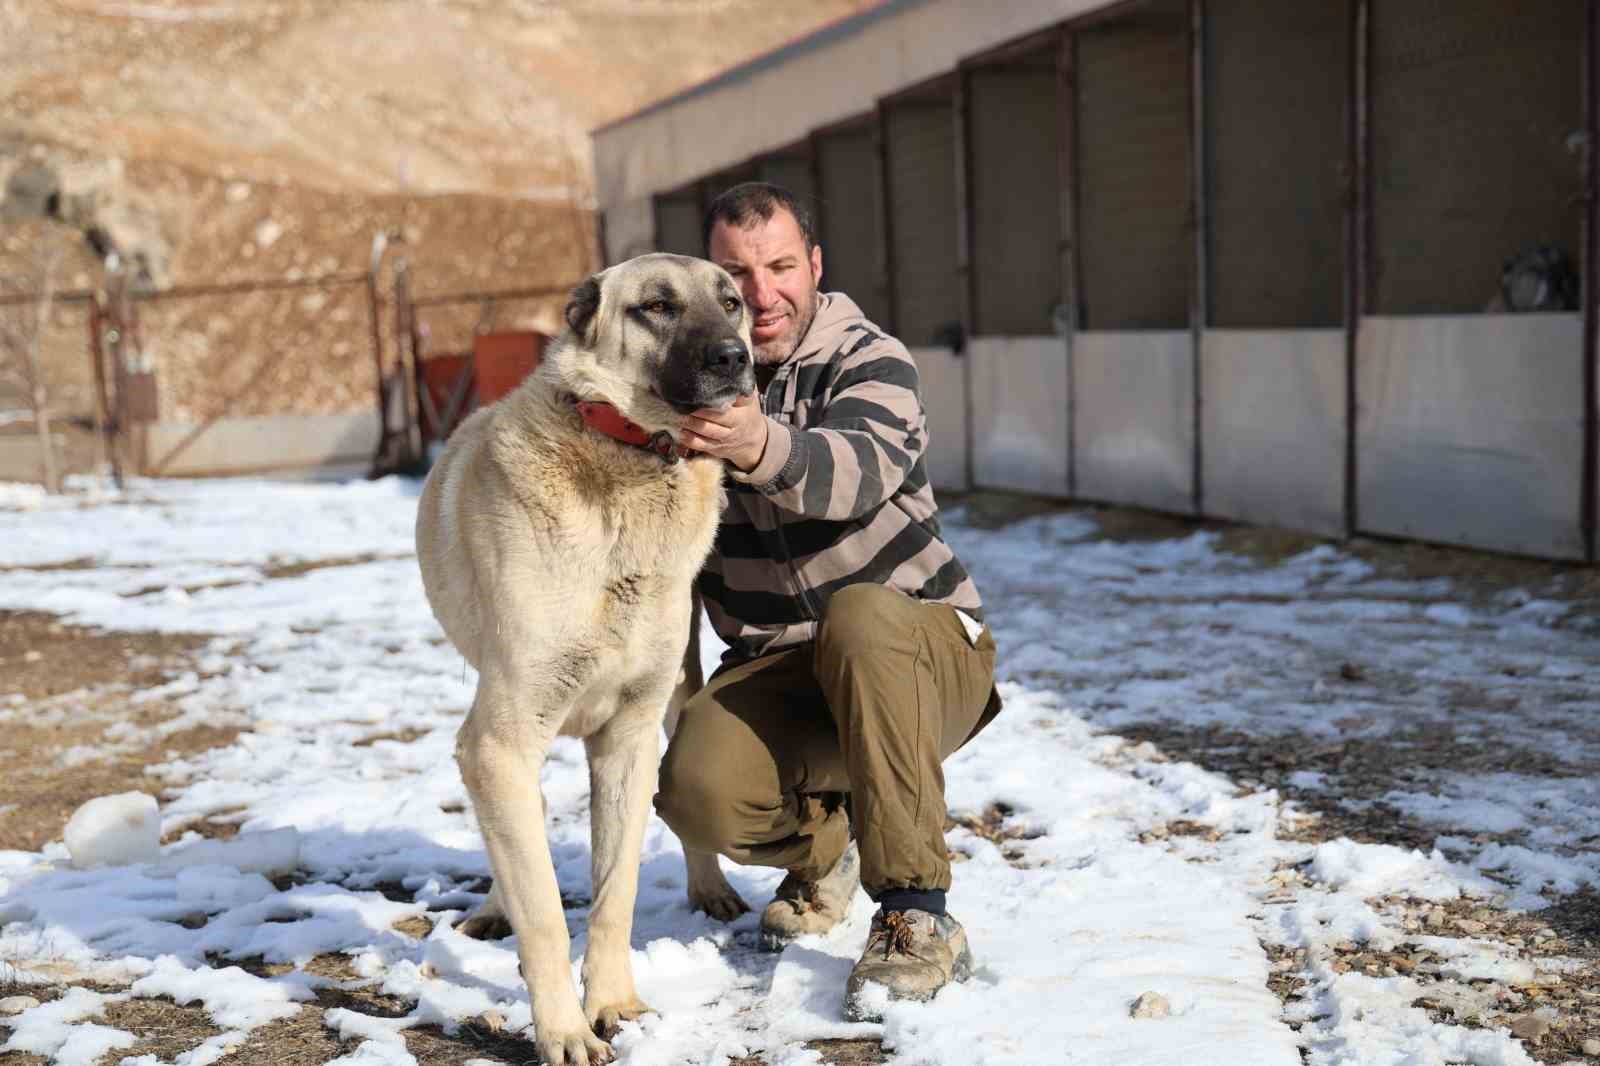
749	201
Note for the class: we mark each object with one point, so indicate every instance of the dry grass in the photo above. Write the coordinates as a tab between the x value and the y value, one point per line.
991	825
43	659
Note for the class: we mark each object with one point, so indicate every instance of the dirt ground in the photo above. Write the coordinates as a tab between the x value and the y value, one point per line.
65	711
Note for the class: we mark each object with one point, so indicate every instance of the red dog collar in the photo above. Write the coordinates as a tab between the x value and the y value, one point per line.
602	417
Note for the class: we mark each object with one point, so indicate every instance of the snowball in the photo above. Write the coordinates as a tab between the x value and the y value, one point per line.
115	831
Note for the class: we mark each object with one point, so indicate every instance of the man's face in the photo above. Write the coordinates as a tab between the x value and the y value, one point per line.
776	276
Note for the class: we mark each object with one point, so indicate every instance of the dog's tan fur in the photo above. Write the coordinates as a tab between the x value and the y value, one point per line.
560	563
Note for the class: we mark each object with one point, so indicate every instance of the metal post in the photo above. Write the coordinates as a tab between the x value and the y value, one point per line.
1199	292
104	425
1067	179
380	242
117	337
1589	252
961	115
1357	241
886	286
405	368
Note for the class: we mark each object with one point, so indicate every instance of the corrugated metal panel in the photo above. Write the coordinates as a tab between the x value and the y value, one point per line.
922	200
1473	102
678	221
793	172
1133	409
811	84
1273	427
1133	166
1016	217
944	397
1019	414
1471	431
1278	73
848	169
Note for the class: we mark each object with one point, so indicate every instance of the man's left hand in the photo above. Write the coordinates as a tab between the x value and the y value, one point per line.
737	433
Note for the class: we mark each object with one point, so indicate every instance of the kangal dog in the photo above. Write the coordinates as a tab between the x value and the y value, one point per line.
559	559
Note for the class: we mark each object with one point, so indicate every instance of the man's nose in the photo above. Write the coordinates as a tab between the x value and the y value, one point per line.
760	292
727	356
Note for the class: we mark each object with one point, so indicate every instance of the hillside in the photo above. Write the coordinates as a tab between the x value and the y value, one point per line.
236	139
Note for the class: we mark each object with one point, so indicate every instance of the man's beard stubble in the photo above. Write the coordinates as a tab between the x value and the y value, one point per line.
780	348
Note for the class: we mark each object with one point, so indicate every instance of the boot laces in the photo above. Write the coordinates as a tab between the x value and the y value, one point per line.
805	898
896	932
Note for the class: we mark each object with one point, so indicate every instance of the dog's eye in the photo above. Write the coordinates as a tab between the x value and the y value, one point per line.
730	305
658	307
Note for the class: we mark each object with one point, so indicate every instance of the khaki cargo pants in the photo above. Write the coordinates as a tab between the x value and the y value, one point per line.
889	689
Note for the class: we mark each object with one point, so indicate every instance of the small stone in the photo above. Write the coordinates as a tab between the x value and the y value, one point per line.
1435	918
1591	1048
17	1004
1469	926
492	1020
1352	672
1530	1027
1150	1005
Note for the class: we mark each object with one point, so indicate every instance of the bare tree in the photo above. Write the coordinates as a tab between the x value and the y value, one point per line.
22	365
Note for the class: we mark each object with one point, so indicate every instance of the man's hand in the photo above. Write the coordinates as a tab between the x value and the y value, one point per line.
738	434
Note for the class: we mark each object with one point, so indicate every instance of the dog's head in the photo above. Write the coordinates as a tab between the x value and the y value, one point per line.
658	336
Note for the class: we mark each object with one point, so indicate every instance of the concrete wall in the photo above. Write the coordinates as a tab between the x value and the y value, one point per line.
944	397
1020	432
1134	418
1272	427
246	445
1471	431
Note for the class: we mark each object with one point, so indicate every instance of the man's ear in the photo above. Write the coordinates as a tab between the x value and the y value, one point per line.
583	310
816	265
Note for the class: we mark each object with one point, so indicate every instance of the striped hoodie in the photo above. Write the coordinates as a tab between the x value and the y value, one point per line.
841	494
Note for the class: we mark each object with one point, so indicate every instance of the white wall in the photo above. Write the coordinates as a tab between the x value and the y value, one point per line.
1019	414
1470	430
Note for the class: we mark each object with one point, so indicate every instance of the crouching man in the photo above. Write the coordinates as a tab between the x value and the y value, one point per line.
859	660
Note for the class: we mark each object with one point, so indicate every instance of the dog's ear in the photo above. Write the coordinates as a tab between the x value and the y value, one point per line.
583	309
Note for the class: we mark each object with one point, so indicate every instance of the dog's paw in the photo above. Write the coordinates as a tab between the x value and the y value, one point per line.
608	1019
724	905
576	1048
481	926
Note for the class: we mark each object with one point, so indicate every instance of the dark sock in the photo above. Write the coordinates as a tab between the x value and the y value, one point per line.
912	899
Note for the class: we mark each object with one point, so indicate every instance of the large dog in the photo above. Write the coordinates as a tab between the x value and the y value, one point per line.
559	559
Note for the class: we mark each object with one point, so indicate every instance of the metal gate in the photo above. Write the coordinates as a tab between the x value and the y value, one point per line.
920	165
847	166
1273	353
1471	425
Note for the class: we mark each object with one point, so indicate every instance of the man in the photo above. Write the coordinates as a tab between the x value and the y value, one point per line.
858	660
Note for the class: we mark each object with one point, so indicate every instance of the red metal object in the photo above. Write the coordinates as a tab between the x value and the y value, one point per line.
501	360
446	393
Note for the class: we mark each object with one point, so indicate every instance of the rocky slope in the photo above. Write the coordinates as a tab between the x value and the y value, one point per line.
223	140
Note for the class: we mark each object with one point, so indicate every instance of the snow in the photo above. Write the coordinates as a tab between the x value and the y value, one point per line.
114	831
325	652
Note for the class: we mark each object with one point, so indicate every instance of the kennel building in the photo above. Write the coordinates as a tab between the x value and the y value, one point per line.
1322	264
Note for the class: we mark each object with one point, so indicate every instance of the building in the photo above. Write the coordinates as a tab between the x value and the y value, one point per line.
1262	260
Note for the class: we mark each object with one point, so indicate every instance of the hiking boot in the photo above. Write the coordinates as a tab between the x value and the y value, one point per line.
910	953
800	907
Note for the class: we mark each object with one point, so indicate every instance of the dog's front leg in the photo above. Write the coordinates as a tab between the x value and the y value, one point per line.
622	777
501	751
